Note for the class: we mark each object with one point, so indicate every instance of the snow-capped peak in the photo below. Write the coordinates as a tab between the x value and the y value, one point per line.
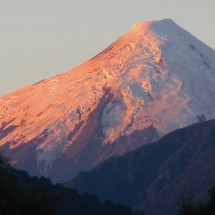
156	77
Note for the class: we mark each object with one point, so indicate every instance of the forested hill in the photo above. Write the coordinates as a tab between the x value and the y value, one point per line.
21	194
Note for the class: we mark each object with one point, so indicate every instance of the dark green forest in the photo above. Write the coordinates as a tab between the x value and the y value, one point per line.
21	194
188	206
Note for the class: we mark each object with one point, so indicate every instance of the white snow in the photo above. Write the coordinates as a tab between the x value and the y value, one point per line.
158	74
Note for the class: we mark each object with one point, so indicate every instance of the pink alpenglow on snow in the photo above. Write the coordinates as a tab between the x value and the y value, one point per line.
154	79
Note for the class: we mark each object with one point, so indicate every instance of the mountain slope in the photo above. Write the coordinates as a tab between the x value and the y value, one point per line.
152	177
149	82
24	195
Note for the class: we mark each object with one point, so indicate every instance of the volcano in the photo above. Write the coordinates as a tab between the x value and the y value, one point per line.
154	79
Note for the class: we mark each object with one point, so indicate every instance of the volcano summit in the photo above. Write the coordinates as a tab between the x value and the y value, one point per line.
154	79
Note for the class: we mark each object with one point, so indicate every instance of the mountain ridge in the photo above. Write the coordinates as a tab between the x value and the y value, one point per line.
153	177
151	79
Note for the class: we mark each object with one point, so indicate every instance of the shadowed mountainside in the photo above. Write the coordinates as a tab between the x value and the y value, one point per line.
153	176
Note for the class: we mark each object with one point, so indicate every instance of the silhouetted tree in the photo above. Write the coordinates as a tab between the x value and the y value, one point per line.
21	194
188	207
186	204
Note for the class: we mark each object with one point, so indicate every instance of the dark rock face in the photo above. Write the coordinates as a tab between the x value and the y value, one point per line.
152	177
5	129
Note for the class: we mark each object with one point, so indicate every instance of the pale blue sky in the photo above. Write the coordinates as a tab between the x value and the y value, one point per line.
42	38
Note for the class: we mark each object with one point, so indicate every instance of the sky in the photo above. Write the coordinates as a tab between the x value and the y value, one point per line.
42	38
